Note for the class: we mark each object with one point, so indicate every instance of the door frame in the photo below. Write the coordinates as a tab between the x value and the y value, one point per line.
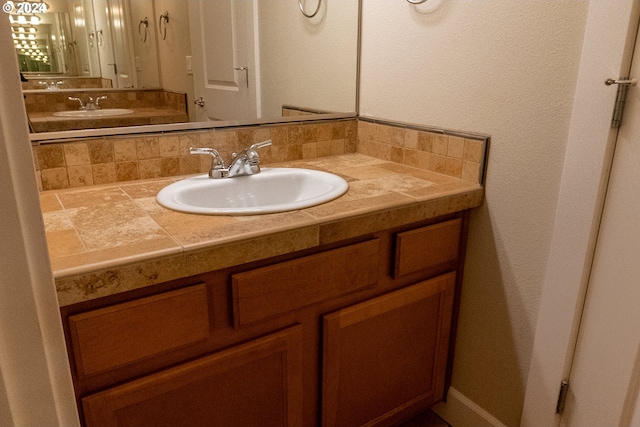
607	49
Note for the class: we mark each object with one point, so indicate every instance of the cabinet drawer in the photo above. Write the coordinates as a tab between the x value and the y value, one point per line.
278	289
114	336
428	248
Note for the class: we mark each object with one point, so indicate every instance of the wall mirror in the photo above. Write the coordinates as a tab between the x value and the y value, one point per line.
235	61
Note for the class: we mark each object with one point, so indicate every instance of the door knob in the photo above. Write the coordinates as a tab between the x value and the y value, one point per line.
199	101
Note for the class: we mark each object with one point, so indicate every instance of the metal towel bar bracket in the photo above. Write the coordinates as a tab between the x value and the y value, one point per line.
163	28
144	22
314	13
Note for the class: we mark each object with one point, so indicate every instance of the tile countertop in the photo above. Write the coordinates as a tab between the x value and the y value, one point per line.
112	238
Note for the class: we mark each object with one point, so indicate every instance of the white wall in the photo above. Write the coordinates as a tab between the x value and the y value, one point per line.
300	58
507	68
173	51
146	52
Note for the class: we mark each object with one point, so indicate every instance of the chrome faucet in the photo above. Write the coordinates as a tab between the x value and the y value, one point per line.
245	163
94	105
91	104
82	107
248	161
217	169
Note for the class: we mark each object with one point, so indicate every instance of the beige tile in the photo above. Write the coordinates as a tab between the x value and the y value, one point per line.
438	163
108	281
473	150
470	171
169	146
424	160
127	171
54	179
64	243
425	141
91	196
456	147
310	133
187	141
411	139
124	150
76	154
104	173
101	151
310	150
150	168
147	148
337	147
169	166
146	189
176	223
49	202
259	248
339	130
454	167
439	144
50	156
80	176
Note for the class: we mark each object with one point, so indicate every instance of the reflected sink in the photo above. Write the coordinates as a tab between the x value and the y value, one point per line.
104	112
272	190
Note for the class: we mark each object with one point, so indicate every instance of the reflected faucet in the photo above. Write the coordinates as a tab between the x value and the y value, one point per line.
247	162
91	103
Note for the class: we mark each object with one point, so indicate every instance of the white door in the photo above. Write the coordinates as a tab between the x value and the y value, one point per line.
605	378
223	59
121	36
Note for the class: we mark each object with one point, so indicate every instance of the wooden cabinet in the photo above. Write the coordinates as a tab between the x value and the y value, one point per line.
358	333
386	354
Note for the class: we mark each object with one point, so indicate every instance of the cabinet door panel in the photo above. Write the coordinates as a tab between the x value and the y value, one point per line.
387	355
257	383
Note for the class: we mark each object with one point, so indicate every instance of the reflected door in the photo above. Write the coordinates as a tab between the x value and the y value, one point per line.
223	59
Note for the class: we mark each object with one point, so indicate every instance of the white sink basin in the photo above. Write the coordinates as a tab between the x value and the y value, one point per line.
105	112
272	190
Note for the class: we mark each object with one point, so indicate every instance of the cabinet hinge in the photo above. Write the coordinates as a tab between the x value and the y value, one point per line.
618	110
562	396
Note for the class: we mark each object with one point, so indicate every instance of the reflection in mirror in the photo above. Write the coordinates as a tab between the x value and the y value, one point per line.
223	60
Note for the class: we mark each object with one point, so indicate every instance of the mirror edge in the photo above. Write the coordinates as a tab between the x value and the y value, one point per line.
74	135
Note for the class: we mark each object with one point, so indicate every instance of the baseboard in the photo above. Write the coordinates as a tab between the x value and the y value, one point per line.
460	411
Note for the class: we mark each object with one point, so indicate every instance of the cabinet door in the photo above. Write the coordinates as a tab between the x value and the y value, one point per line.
386	357
254	384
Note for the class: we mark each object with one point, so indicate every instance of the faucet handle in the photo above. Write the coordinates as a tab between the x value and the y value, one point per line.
217	163
259	145
100	98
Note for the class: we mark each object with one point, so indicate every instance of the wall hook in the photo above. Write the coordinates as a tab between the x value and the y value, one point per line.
163	28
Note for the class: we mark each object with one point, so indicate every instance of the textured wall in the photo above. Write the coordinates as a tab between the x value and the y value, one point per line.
308	62
506	68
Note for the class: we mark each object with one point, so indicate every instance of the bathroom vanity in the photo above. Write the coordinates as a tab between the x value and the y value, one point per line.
343	316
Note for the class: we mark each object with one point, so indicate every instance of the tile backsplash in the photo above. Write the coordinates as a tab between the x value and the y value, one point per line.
447	152
118	159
